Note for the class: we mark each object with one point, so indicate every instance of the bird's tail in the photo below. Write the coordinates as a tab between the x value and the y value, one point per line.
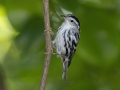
65	66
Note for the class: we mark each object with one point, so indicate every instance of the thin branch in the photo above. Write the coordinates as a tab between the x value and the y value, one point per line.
48	44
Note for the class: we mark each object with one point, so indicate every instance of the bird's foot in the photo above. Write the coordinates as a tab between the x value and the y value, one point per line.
50	52
49	30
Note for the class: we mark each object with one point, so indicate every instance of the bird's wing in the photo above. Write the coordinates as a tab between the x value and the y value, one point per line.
74	37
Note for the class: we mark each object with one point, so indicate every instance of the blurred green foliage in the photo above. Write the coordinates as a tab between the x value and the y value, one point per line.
96	63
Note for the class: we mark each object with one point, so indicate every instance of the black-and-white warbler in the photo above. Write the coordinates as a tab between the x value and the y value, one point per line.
66	40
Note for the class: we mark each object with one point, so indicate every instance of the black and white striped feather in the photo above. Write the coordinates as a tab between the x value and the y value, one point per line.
66	41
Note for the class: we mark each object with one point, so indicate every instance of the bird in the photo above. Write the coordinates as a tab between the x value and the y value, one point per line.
66	41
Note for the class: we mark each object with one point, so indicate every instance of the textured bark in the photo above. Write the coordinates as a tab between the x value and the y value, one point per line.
48	44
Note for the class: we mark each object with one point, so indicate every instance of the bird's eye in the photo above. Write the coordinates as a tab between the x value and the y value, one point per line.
71	20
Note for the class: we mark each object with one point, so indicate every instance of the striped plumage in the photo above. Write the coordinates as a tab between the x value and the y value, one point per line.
66	41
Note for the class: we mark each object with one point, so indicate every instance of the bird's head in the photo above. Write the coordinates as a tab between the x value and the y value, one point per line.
71	19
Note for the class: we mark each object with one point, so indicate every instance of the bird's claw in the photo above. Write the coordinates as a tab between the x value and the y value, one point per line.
49	30
51	52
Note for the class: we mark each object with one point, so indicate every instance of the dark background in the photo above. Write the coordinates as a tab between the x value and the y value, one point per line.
96	63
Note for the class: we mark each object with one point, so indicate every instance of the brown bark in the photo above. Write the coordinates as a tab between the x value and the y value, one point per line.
48	44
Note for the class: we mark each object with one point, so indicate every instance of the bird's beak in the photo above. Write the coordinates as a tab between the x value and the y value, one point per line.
63	16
